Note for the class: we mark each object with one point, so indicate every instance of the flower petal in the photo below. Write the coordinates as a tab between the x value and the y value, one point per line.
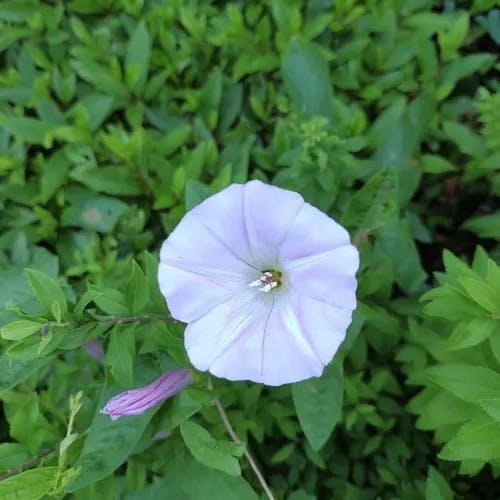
259	340
312	232
327	276
222	215
208	337
197	270
193	245
189	294
323	325
269	212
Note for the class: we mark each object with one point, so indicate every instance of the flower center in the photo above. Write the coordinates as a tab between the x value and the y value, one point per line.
270	279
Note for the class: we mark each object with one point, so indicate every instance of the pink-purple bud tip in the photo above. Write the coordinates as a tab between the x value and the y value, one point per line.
137	401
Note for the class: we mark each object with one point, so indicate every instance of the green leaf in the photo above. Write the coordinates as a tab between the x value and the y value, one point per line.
176	138
283	453
397	134
93	212
455	267
436	486
100	76
486	226
210	452
156	299
318	403
307	79
374	204
54	173
467	141
451	39
136	290
209	99
185	478
396	239
468	382
183	407
31	484
137	58
493	25
120	181
86	298
195	192
461	68
495	346
17	10
27	129
14	371
18	330
120	353
491	407
447	302
16	289
63	85
471	333
27	423
442	410
251	62
110	301
231	101
10	35
98	107
12	455
302	495
48	292
482	293
434	164
475	440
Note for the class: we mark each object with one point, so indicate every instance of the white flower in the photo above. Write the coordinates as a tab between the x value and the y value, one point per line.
265	281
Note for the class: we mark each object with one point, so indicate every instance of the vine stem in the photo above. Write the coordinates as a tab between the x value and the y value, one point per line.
116	320
138	319
25	465
248	456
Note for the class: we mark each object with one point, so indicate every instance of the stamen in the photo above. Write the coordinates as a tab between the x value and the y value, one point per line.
266	282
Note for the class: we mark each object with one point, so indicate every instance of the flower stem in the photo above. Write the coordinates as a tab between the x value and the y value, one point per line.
237	440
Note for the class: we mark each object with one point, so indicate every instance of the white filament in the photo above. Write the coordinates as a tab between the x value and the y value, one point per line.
266	282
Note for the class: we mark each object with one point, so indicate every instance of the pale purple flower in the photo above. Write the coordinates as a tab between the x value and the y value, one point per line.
265	281
137	401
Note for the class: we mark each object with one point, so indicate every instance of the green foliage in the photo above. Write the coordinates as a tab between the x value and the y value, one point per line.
318	403
34	483
215	454
461	375
117	116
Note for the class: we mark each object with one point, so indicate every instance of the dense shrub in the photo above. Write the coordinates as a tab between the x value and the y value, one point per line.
117	116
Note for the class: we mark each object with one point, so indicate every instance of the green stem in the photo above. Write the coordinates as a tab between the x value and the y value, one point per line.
229	428
138	319
116	320
25	465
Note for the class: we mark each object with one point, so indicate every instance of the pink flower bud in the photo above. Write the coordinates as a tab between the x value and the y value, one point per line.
137	401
